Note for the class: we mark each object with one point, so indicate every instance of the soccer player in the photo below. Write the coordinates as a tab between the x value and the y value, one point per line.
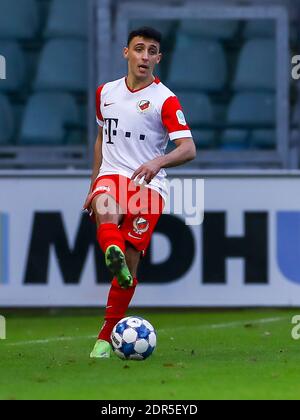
137	115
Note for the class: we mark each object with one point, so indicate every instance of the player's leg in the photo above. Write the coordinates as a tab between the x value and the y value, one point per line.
137	229
117	304
108	218
133	258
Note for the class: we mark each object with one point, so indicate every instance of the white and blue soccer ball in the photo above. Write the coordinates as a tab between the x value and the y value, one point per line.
133	338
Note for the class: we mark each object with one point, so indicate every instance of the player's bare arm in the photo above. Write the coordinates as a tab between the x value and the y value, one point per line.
97	163
185	151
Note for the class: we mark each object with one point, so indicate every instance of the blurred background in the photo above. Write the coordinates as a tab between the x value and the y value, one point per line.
230	63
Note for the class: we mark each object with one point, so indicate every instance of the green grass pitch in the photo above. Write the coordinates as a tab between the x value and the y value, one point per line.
224	354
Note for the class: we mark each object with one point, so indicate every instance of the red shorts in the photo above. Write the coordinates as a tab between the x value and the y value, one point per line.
141	208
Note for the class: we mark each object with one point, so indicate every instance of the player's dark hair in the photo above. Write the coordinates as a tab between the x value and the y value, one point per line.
145	32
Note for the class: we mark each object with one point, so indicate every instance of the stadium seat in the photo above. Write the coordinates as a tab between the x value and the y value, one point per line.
67	18
202	68
256	68
15	66
164	26
199	112
260	28
248	111
6	121
252	109
204	139
197	108
18	19
296	113
63	66
295	136
232	139
209	28
46	118
263	139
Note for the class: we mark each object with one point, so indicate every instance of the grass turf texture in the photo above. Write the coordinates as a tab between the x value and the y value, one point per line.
240	354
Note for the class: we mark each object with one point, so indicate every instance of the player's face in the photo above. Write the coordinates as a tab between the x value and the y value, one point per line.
142	55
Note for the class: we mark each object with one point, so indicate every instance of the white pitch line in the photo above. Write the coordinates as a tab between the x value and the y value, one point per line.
257	321
164	330
226	324
51	340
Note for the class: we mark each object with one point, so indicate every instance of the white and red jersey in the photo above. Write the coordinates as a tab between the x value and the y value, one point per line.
137	126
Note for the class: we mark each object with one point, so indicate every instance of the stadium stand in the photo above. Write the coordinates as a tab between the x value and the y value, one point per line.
67	18
203	70
262	28
44	43
21	22
252	109
6	121
256	69
165	27
63	66
199	114
209	28
16	66
49	118
247	112
263	139
210	63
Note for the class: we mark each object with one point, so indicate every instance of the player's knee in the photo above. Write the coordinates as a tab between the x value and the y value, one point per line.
105	209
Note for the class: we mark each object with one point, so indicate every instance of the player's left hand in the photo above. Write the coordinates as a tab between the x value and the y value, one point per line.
148	171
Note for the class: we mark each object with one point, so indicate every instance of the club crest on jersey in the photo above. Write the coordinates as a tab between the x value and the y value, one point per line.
144	106
140	225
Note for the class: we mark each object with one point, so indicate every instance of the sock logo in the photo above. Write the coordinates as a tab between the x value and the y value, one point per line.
4	246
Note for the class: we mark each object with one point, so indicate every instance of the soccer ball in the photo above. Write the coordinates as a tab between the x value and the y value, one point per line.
133	338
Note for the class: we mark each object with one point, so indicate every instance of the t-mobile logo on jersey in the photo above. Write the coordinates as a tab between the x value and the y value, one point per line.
111	128
111	125
2	68
296	69
4	242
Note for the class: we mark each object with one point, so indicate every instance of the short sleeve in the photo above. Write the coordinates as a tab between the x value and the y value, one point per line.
99	116
173	119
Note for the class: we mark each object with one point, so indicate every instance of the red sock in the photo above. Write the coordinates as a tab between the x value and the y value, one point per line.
117	305
109	234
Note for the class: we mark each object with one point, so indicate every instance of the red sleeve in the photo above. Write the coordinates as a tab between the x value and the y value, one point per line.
173	119
99	116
